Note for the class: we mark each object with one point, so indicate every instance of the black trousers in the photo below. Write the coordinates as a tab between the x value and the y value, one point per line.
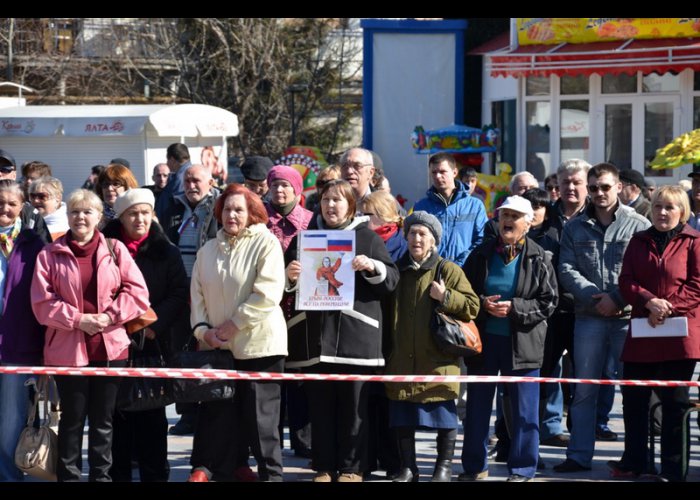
339	426
94	398
635	406
248	420
140	436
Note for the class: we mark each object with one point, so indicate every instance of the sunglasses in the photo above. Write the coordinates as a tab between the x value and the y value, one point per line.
39	196
603	187
7	169
552	187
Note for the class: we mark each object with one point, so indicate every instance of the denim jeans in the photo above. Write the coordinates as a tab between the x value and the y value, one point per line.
595	341
553	407
14	403
524	401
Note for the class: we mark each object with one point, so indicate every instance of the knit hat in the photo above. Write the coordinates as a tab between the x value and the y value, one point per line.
133	197
289	174
424	219
121	161
256	168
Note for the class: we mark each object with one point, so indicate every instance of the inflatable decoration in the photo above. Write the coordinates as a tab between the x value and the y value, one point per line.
682	150
455	139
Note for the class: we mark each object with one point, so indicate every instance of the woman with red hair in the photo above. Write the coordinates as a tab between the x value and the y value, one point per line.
237	285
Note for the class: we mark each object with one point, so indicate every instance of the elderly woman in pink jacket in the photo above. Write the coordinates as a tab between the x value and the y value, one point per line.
85	288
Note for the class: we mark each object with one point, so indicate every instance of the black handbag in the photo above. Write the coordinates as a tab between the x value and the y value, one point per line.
144	393
453	336
192	390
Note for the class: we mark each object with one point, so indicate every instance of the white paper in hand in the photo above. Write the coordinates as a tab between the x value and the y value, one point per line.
671	327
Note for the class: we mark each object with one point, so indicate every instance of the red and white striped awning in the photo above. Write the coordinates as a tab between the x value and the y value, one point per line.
624	56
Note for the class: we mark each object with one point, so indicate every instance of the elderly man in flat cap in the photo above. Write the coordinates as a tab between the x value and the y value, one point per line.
255	170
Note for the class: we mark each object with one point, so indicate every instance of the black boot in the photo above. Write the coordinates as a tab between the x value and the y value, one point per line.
406	438
443	464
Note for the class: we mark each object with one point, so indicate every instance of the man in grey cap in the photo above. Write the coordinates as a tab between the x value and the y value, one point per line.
631	194
254	170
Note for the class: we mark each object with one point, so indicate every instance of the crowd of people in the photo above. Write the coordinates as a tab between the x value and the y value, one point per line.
560	270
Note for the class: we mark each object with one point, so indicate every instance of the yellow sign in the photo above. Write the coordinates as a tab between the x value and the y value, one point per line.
553	30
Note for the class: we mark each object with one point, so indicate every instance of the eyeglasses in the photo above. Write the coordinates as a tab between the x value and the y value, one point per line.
7	169
552	187
354	165
602	187
39	196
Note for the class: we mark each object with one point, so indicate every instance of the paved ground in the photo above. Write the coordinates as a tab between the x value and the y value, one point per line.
297	469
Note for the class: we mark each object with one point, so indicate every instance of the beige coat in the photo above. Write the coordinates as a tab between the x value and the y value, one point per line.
242	279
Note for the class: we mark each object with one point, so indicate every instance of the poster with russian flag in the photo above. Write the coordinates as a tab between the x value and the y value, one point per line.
327	281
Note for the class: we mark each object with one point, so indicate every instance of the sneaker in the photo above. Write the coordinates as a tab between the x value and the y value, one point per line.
349	477
323	477
603	433
517	478
467	477
570	465
245	474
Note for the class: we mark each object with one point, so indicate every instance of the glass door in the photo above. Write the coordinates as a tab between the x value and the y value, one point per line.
631	129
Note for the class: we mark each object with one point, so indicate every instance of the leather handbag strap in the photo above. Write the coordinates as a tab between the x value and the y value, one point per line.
438	276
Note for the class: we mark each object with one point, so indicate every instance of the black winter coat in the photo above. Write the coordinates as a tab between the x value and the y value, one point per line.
346	337
535	299
168	288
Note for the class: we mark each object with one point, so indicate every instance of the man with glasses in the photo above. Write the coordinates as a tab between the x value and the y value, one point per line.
590	261
357	167
29	216
463	217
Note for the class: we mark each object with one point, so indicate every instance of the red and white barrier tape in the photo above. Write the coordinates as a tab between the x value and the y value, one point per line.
239	375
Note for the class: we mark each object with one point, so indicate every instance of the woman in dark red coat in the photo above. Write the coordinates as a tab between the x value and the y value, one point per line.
660	279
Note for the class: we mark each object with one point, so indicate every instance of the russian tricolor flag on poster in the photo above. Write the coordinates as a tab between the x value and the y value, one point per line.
340	245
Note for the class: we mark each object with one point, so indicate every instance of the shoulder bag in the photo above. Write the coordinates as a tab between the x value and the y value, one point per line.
37	448
451	335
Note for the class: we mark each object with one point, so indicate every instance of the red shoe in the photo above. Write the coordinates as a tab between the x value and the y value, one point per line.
198	476
245	474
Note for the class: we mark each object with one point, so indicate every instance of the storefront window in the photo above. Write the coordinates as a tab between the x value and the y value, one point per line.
503	117
660	83
619	84
658	131
574	130
537	85
696	112
538	132
574	85
696	80
618	135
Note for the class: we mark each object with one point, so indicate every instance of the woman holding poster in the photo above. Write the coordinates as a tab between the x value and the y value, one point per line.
343	341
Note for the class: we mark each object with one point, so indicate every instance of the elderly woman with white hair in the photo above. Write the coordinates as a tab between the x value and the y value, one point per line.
420	290
517	287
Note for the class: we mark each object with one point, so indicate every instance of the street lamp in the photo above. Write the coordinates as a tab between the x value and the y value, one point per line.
294	89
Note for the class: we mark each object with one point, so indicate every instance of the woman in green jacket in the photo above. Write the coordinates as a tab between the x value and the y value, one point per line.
421	404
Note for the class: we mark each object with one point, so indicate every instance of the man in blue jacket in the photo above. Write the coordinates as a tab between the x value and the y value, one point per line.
462	216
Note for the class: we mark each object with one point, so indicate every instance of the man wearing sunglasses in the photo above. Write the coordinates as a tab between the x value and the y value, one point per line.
29	216
590	261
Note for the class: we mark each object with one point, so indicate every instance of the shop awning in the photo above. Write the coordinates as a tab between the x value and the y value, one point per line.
171	120
623	56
